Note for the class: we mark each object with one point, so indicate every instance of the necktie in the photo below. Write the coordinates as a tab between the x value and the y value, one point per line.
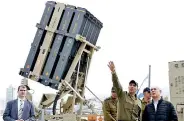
20	110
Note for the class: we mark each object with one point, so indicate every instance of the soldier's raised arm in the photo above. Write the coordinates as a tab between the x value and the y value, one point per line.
115	79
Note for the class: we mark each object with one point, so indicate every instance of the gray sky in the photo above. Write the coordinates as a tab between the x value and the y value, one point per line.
135	34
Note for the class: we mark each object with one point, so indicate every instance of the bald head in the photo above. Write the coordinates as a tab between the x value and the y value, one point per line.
156	92
156	87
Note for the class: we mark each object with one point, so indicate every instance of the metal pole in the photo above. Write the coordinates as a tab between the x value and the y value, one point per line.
42	118
74	90
149	77
76	83
93	94
83	91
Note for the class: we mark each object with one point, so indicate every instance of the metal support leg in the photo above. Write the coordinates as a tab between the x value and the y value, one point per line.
75	61
74	90
42	116
85	81
81	102
76	83
93	94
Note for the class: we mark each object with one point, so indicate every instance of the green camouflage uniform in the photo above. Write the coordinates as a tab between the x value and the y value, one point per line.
129	107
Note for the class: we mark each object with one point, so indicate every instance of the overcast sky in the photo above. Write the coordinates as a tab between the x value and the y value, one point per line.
136	33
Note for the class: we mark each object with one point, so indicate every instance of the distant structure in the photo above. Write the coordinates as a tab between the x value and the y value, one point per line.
176	85
10	93
2	106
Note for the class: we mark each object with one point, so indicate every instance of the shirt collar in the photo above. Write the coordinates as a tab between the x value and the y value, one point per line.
21	99
155	101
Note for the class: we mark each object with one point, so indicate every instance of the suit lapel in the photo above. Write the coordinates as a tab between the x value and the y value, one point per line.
16	108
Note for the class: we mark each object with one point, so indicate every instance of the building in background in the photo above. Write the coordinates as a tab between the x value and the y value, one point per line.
10	93
176	85
2	106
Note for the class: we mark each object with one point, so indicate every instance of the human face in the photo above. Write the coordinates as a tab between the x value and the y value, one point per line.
155	92
22	91
147	95
113	94
132	88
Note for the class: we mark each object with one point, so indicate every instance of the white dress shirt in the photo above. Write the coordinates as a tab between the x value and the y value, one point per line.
155	102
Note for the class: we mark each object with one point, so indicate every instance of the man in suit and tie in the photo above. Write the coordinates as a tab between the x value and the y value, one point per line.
19	109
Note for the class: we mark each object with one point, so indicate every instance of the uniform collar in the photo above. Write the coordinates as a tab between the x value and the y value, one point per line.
134	97
113	98
131	95
143	101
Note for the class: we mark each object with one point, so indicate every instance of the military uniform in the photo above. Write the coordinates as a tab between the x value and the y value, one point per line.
129	107
110	109
144	103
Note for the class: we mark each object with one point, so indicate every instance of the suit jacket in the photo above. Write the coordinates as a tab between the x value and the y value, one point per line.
11	111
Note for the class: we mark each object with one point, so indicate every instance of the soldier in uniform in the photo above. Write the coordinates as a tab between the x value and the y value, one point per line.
146	99
129	106
110	106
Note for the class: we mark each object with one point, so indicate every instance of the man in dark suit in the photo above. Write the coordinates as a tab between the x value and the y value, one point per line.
19	109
